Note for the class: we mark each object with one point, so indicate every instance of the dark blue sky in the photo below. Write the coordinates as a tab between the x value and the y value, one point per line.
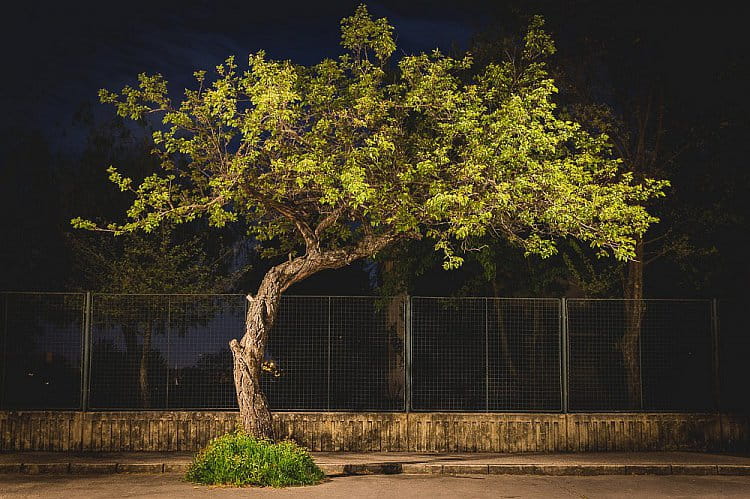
58	54
62	53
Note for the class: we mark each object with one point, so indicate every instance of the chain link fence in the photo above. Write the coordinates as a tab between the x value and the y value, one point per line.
329	353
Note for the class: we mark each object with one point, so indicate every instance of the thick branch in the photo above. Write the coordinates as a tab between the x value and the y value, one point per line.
264	305
328	221
310	237
301	268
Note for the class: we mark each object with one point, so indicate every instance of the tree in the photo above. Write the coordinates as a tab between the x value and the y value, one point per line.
166	261
160	262
629	97
334	162
619	77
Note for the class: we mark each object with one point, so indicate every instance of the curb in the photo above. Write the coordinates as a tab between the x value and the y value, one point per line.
404	468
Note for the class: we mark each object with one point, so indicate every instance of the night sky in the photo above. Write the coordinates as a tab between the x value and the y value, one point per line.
58	54
62	53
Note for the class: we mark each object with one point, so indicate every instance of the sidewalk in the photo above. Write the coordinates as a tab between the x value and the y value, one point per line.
349	463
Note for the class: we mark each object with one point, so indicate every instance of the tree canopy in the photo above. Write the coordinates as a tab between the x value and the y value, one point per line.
339	159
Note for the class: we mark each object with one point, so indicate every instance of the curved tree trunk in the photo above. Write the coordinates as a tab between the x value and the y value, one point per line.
631	340
248	352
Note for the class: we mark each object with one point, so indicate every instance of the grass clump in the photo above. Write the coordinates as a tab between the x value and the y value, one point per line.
240	459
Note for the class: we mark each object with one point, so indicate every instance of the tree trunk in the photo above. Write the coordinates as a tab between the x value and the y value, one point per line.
396	339
505	354
255	414
395	346
143	368
630	344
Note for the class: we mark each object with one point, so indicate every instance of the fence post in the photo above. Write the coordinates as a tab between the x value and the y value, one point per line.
4	358
564	355
715	347
328	361
407	353
486	356
642	310
86	354
169	350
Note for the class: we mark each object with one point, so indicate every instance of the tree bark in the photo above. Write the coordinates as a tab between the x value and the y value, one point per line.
143	368
396	345
247	353
255	414
396	339
630	344
505	354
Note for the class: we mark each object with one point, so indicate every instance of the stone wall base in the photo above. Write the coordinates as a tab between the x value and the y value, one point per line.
379	431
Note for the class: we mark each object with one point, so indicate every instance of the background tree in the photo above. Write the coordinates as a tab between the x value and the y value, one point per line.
334	162
143	264
621	76
623	83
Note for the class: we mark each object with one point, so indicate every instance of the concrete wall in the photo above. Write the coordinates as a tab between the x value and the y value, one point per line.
341	431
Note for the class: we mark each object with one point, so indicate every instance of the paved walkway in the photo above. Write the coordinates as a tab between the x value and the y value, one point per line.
347	463
145	485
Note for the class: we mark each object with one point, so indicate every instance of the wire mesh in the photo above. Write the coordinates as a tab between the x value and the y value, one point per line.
448	354
733	355
485	354
348	353
200	362
41	339
336	353
129	351
628	355
524	355
366	354
298	344
171	351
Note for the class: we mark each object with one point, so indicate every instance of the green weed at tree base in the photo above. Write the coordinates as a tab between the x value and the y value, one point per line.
240	459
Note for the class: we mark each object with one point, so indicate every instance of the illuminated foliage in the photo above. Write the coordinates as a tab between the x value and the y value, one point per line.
360	148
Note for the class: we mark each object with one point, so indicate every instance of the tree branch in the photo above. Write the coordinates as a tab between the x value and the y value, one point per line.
288	212
329	220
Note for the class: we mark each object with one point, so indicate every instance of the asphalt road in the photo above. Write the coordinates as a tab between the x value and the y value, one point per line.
382	487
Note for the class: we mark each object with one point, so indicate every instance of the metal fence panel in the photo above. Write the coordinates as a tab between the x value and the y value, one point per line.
448	354
627	355
734	356
336	353
366	354
164	351
129	351
200	362
41	339
485	354
350	353
524	355
171	351
298	344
